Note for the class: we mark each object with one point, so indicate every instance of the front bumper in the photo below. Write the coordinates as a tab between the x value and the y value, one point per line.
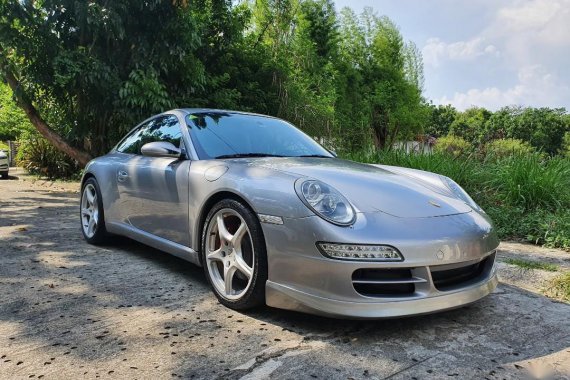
283	297
302	279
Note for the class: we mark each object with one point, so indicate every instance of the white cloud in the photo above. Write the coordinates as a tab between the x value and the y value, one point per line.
527	26
528	15
530	43
535	87
436	50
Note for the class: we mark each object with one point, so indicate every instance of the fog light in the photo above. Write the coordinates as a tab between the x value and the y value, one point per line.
360	252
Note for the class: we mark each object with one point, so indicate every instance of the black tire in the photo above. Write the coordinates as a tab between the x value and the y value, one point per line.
101	235
5	175
255	295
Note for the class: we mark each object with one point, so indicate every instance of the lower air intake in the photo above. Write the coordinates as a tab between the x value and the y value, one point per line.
385	282
457	277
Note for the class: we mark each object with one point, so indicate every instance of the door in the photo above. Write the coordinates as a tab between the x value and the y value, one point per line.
153	191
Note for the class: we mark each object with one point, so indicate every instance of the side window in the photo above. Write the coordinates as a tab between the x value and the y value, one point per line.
164	128
130	143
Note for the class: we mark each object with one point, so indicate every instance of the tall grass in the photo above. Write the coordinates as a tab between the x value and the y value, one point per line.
531	181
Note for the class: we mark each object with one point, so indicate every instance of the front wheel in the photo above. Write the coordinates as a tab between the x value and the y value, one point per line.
91	213
234	255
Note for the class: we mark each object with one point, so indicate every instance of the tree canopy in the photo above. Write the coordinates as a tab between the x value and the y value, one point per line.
543	128
86	72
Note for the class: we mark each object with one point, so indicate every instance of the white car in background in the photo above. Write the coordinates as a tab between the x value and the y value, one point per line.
4	164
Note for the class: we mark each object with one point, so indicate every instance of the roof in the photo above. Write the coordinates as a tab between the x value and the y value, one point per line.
189	111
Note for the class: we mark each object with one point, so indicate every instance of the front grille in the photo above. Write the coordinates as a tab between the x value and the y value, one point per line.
387	282
414	281
457	277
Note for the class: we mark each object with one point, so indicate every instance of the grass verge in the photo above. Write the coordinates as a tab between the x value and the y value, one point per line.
528	264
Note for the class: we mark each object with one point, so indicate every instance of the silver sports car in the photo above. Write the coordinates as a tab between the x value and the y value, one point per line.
274	218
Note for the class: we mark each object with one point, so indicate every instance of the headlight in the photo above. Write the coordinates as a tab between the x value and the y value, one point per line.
325	201
459	192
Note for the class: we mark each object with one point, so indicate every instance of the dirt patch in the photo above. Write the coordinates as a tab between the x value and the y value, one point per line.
535	280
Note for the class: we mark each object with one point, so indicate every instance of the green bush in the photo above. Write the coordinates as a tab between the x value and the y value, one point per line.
456	146
565	150
507	147
39	157
551	229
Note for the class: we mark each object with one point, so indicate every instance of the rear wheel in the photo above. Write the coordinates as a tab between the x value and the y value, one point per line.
91	213
234	255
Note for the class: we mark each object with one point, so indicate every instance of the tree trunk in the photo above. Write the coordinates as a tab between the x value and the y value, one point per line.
43	128
379	129
393	135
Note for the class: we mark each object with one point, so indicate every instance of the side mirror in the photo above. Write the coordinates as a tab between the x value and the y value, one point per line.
160	149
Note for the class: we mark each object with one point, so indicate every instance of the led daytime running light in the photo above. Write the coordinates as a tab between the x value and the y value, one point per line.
360	252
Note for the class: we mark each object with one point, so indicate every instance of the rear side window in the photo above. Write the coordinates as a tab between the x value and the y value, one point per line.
163	128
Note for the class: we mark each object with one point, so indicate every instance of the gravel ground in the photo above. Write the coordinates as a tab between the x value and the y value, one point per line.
70	310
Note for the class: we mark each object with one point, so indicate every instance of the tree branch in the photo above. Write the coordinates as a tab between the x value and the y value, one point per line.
43	128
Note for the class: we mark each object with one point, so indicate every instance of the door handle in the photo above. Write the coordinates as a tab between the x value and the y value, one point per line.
122	176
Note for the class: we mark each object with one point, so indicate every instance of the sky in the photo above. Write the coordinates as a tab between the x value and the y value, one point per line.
489	53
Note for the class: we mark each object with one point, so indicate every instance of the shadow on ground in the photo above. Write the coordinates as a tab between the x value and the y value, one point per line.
10	177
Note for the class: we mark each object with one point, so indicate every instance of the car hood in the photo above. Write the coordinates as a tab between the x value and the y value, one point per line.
372	188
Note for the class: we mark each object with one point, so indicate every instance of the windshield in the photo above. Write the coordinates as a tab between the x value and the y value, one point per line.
226	135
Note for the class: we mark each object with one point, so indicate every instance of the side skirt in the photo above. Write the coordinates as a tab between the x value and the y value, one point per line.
157	242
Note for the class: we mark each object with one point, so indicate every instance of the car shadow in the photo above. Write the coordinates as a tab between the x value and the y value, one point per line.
10	177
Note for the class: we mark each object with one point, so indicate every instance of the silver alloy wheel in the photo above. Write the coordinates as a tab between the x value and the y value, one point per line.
89	211
230	255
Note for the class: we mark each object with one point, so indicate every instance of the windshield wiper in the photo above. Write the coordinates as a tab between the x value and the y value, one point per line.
242	155
315	155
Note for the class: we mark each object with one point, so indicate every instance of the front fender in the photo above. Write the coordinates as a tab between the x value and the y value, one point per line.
265	191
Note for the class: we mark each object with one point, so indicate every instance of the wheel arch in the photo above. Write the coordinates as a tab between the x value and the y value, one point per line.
104	173
86	176
207	206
